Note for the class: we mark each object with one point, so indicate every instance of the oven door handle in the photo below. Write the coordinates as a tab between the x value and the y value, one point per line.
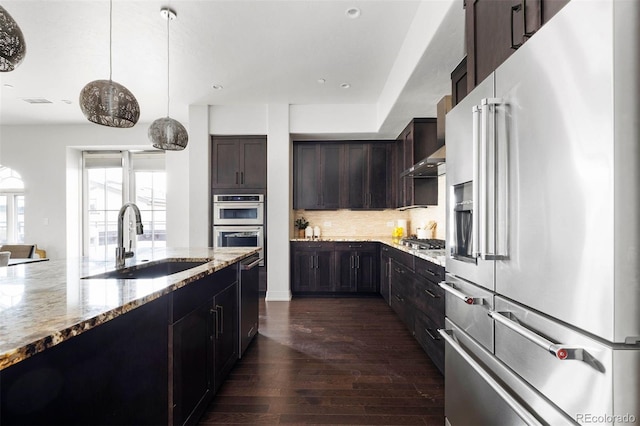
518	408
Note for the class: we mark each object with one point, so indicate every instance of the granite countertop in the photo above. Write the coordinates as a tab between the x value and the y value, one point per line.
429	255
45	303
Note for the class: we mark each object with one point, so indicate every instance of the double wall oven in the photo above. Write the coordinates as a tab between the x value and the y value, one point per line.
238	221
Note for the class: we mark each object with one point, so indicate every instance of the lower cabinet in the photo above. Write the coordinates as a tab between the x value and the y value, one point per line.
385	273
324	267
203	338
312	267
357	267
417	299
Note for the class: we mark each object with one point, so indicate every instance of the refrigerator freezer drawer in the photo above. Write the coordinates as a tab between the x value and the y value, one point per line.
480	390
574	370
467	305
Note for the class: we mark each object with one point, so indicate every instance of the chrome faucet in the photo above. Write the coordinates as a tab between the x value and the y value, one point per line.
121	252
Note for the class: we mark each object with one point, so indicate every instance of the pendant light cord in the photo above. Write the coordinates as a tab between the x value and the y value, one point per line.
168	19
110	31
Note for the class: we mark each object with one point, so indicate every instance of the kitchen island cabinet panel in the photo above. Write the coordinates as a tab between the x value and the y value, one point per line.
112	374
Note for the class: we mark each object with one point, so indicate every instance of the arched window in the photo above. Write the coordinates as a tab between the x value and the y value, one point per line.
11	206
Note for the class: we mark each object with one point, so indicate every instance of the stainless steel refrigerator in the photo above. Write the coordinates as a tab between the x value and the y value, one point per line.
543	244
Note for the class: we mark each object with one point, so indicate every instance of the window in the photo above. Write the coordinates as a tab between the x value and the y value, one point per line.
112	179
11	206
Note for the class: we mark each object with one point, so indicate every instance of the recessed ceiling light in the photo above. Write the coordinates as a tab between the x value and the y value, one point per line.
353	12
66	101
321	81
217	87
37	100
345	85
8	86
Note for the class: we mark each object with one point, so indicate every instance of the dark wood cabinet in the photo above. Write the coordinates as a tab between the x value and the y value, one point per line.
204	342
312	267
317	175
496	28
225	310
417	141
356	267
402	293
345	174
368	171
239	162
385	272
459	85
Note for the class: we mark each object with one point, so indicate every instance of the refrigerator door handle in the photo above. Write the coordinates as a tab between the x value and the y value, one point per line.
561	352
448	287
518	408
475	217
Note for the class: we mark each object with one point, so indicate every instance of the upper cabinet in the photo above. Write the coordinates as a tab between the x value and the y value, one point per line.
417	141
317	175
495	29
368	177
343	175
239	162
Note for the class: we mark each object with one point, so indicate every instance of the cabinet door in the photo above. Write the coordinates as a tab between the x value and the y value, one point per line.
379	177
367	271
192	367
331	156
225	163
356	194
253	158
303	274
345	270
225	305
385	267
324	270
307	174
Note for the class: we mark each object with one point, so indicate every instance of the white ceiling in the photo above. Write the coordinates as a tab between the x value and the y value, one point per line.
398	55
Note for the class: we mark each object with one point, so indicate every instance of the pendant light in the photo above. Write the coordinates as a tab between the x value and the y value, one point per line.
106	102
167	133
12	44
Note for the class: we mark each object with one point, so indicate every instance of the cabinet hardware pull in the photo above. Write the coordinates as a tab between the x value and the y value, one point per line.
241	178
311	262
517	8
351	262
215	312
236	178
430	293
398	270
221	318
430	333
357	262
400	299
430	272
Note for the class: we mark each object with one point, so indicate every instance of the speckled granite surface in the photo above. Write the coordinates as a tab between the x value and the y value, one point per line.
438	260
45	303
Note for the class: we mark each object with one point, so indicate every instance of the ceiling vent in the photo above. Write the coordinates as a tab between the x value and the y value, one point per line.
37	100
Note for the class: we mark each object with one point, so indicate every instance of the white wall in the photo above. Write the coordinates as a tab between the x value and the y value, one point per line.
48	159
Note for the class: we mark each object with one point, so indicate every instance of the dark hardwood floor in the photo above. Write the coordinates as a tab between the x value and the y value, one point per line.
331	361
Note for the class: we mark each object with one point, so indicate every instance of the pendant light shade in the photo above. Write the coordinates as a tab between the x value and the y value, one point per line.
109	103
166	133
12	44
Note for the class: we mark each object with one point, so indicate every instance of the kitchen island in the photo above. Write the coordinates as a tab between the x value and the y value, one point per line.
106	351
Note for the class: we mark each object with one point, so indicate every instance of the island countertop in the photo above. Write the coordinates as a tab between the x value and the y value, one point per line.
45	303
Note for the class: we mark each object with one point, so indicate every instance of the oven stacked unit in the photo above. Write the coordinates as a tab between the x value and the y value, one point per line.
238	221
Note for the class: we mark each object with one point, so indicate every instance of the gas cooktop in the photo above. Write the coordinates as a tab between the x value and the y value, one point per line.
423	244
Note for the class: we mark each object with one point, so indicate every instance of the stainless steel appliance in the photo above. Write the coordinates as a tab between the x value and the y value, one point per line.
239	236
543	282
238	221
238	209
249	301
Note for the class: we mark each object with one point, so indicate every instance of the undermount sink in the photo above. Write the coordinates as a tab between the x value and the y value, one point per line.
161	268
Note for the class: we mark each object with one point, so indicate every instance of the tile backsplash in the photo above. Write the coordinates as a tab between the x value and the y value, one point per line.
370	223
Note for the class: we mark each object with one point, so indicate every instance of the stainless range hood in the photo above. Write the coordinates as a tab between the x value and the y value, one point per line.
427	167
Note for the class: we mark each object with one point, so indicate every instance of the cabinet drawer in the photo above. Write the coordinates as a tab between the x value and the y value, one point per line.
312	245
426	332
357	246
429	299
401	257
429	270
